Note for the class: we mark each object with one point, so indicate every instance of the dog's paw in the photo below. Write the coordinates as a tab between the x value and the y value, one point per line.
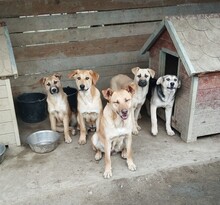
154	132
124	154
73	131
107	174
138	127
170	132
98	155
132	166
68	139
135	132
82	141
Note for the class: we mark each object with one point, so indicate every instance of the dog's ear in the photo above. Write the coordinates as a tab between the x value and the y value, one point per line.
152	72
179	83
107	93
95	76
42	80
72	74
135	70
57	75
131	88
159	80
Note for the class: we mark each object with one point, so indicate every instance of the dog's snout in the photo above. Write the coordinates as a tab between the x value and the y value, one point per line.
172	84
142	83
54	90
82	86
124	112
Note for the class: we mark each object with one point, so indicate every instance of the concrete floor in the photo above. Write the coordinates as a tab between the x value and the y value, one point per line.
169	171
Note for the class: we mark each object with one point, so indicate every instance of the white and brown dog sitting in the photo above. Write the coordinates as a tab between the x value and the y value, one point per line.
163	95
141	79
62	119
89	104
115	133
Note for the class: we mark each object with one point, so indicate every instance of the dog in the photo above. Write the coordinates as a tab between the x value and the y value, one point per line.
58	106
89	104
115	133
141	80
163	95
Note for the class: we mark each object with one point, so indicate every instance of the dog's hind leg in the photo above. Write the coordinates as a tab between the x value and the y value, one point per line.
168	113
66	129
136	115
153	113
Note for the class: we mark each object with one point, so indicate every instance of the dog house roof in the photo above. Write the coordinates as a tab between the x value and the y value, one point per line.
196	39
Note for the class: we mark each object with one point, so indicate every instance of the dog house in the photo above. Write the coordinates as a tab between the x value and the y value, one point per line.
9	134
189	47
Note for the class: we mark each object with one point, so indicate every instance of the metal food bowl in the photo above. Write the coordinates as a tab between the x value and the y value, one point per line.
43	141
2	152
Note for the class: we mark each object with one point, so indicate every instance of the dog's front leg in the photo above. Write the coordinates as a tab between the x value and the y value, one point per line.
136	114
108	167
168	113
134	124
153	113
53	122
131	165
81	121
66	129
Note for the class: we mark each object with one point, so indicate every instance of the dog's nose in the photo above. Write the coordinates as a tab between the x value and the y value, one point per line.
172	84
142	83
54	90
82	87
124	112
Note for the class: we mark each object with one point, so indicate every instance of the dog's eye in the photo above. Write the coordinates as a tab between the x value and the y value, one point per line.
168	79
126	100
175	79
116	102
55	82
87	78
48	84
146	76
139	76
78	78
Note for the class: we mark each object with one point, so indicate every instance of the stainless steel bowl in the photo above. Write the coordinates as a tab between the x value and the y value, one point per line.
43	141
2	152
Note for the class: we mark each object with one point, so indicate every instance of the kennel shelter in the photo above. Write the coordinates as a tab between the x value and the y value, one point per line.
189	47
9	134
57	36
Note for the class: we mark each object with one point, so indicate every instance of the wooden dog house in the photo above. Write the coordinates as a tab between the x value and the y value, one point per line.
9	134
189	47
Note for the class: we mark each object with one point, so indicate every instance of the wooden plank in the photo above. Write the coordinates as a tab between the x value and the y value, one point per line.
4	104
105	17
31	83
36	7
59	64
58	36
8	139
204	130
3	92
71	49
6	127
5	116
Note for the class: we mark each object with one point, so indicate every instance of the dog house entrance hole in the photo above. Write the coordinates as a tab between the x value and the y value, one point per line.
171	64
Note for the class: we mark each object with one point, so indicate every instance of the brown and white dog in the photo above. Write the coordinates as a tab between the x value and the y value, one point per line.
58	107
115	133
89	104
141	80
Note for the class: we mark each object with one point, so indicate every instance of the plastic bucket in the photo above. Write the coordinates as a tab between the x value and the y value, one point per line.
72	97
32	107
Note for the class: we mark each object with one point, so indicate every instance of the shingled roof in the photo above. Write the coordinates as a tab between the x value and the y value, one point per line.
196	39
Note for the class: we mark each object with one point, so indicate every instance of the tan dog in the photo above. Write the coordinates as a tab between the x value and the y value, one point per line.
89	104
115	128
58	106
141	80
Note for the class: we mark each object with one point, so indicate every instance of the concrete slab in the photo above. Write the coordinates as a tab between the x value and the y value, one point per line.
70	174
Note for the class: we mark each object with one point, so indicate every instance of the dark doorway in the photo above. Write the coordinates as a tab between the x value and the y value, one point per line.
171	64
